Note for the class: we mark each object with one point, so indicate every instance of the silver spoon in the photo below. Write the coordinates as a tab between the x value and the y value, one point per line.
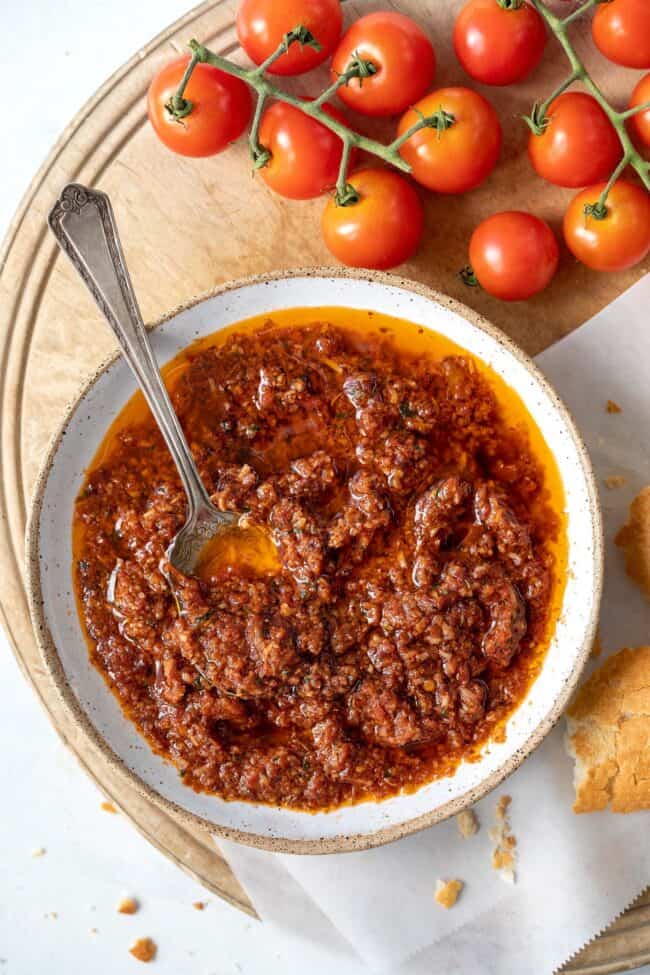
83	223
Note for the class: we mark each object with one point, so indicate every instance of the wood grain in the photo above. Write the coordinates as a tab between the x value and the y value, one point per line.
188	225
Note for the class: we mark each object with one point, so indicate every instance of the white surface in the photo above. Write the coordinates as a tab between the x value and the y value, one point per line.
593	865
573	633
93	858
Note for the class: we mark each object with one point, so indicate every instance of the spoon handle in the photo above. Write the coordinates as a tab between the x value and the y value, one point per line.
83	223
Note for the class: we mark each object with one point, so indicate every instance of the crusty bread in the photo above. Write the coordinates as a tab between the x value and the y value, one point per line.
609	735
634	539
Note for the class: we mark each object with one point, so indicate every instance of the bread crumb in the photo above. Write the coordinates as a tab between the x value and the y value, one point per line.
502	808
634	539
93	931
52	914
128	905
199	905
467	823
503	854
144	949
608	735
39	851
614	481
613	407
108	807
448	892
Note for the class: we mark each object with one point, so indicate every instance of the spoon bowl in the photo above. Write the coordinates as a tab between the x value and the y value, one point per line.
192	546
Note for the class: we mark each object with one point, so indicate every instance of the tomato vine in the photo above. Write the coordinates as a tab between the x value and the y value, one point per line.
360	68
257	79
538	120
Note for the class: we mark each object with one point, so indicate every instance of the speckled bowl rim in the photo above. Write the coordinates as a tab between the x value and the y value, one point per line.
343	842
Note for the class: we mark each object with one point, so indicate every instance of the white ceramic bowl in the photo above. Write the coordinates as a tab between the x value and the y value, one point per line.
96	710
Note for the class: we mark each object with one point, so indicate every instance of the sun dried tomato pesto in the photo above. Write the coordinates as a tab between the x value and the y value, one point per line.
418	572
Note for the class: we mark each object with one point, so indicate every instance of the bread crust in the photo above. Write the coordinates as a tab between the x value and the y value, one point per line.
609	735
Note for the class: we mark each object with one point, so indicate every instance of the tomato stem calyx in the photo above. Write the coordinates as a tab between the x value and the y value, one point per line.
440	121
467	276
300	35
357	68
179	107
261	156
347	196
596	210
360	68
536	121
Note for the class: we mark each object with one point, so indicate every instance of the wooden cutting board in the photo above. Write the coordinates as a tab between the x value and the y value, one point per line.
187	225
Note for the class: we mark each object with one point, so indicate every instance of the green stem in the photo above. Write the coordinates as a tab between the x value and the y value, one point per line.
262	85
636	110
178	106
440	121
299	35
356	69
558	27
346	195
599	209
538	119
259	153
582	9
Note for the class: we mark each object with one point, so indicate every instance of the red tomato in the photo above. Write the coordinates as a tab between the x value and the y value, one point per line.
514	255
262	24
305	154
617	241
621	30
460	157
402	54
579	145
221	109
382	229
640	123
497	45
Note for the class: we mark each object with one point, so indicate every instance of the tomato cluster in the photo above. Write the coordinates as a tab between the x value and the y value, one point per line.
450	138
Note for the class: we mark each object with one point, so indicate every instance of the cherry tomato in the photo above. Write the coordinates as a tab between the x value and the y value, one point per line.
514	255
618	240
498	45
262	24
382	229
579	145
640	123
402	54
221	109
460	157
305	154
621	30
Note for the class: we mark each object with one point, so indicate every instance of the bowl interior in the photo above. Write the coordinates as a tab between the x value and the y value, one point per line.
97	709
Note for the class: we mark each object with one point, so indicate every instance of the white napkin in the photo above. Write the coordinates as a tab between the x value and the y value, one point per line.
574	873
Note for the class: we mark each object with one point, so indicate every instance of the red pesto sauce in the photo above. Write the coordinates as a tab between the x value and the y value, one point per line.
418	519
